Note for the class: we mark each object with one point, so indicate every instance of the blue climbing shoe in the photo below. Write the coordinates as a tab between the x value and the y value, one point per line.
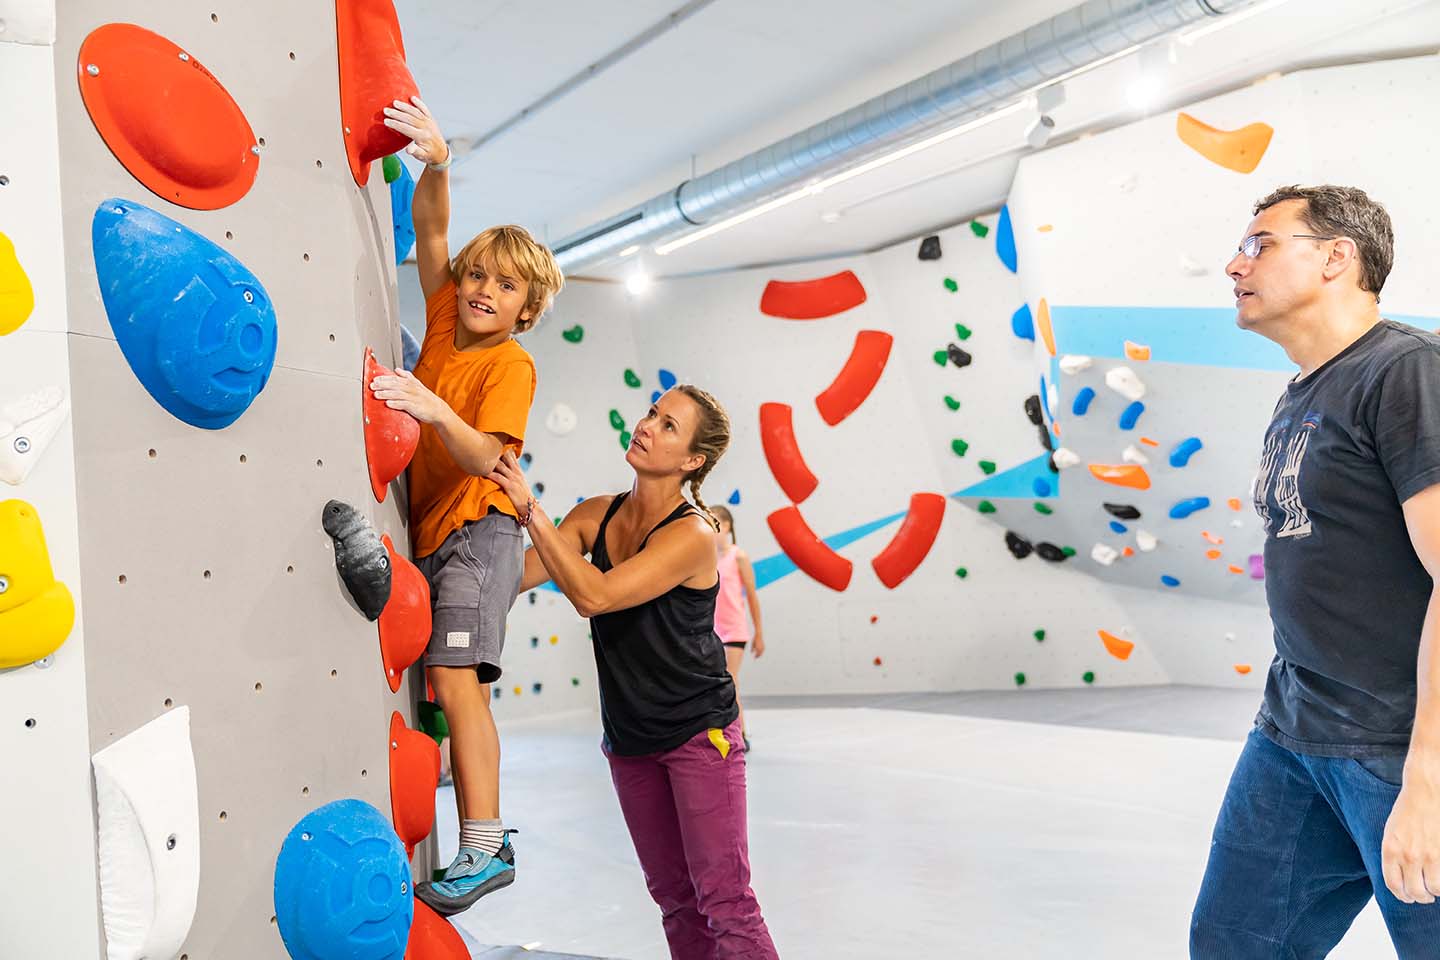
473	874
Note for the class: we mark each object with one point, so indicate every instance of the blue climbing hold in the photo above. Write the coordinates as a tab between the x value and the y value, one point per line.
1081	406
1117	526
1005	240
1045	400
1041	486
655	397
734	498
1169	581
409	348
342	886
1130	415
402	192
195	325
1023	323
1183	451
667	380
1184	508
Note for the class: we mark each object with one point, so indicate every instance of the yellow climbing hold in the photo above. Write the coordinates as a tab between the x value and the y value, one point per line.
36	610
1238	150
17	298
717	737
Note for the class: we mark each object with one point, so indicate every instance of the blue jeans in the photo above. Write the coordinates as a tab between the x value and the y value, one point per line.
1296	855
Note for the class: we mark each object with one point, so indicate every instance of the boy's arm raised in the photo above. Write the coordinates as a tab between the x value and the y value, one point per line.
430	208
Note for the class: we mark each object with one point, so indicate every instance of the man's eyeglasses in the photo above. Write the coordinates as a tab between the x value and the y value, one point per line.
1253	245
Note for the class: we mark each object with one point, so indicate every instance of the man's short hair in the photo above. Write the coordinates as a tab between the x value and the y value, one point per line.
1346	212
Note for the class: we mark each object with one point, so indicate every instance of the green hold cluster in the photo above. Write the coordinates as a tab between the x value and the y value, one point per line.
631	378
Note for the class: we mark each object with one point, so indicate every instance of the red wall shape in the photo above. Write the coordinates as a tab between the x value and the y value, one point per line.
857	378
908	548
807	550
812	299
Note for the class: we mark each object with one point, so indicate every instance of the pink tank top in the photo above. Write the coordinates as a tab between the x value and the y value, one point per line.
730	620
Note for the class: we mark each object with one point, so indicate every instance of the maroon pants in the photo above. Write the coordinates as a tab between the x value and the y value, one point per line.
686	812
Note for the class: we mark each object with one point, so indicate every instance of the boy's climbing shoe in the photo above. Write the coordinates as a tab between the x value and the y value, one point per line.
473	874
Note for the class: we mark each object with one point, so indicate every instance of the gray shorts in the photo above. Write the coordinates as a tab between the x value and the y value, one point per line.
474	578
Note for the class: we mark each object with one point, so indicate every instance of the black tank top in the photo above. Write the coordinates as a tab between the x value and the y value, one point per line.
661	664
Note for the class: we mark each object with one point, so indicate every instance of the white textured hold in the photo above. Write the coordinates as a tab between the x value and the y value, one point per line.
561	419
1103	554
1145	541
1052	395
1192	268
1065	458
1230	638
27	425
1073	363
1125	382
1237	524
1133	454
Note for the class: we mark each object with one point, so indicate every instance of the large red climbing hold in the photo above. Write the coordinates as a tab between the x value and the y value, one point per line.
782	452
166	118
373	75
907	550
414	774
390	435
812	299
432	937
405	621
807	550
857	378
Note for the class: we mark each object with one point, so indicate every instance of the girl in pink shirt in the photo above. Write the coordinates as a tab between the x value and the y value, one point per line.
737	591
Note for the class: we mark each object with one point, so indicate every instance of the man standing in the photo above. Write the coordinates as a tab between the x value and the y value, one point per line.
1336	796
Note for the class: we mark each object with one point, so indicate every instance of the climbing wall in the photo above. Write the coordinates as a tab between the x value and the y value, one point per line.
211	258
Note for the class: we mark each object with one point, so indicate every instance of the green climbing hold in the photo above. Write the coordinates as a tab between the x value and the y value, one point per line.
432	721
1068	551
617	422
1019	679
959	446
631	380
979	229
1089	676
574	681
1043	509
988	466
941	357
574	334
391	166
951	285
985	506
559	520
951	402
624	439
1040	635
961	572
962	331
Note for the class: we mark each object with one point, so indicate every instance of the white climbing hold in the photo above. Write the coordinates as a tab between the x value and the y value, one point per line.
1145	540
1053	396
27	425
1065	458
1133	454
1192	268
1073	363
1124	382
1230	638
1125	182
560	420
1237	524
1103	554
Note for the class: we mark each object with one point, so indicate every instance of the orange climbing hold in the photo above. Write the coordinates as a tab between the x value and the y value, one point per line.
1242	668
405	622
166	118
1212	554
1234	569
1149	443
373	75
1234	503
1122	474
432	937
1042	323
1238	150
1211	538
390	435
1116	647
1136	351
1128	552
414	774
1045	227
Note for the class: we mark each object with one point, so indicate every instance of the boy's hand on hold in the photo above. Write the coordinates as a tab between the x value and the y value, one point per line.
757	646
1410	850
511	479
414	120
402	391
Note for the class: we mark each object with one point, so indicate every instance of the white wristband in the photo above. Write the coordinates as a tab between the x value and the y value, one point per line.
443	164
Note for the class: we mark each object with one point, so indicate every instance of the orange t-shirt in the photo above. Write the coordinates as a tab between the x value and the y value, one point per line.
491	390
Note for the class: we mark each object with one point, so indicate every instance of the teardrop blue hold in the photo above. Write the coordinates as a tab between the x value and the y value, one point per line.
1005	240
402	193
195	325
342	886
1022	323
667	379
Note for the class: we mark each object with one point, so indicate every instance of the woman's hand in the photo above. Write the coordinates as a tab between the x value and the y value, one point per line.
511	480
403	391
757	645
414	120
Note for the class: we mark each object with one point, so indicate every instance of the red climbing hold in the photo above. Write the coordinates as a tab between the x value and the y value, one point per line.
857	378
390	435
166	118
373	75
812	299
432	937
414	774
903	554
782	452
405	621
808	551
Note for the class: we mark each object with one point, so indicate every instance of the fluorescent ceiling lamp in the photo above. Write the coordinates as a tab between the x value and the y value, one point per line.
1228	20
637	283
630	249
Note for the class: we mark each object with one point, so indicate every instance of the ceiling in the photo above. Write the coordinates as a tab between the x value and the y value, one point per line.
735	75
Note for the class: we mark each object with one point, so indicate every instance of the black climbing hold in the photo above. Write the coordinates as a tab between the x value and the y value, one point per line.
361	558
1051	464
539	489
1018	545
1050	552
534	642
957	356
1045	440
526	459
532	598
1033	411
930	248
1122	511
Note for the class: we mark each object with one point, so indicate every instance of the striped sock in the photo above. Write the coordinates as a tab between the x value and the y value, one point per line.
486	835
